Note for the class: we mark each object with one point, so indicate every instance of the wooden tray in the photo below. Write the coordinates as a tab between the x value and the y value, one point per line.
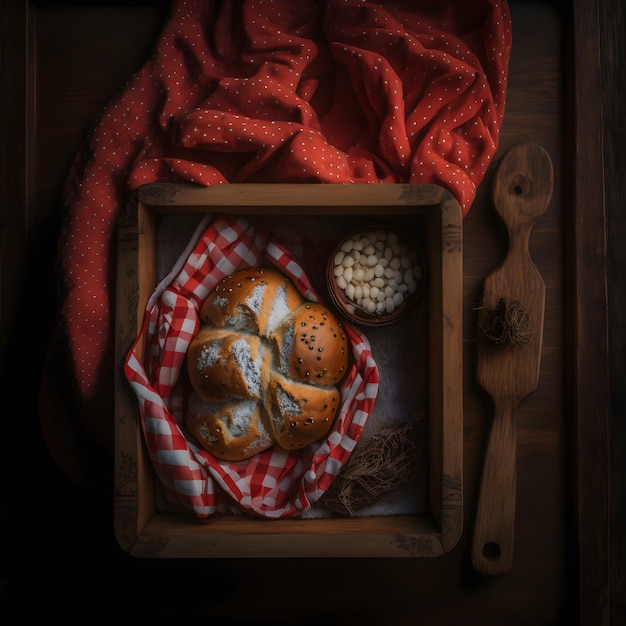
143	530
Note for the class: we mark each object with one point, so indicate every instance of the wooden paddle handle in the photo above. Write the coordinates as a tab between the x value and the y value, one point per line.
509	371
492	547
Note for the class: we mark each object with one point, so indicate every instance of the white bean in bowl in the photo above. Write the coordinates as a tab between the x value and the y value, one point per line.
376	272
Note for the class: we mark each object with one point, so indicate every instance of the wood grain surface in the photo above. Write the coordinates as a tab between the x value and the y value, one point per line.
612	28
65	62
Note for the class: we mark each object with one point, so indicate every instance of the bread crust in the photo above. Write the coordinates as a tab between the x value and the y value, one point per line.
231	431
319	353
226	365
264	366
255	299
299	413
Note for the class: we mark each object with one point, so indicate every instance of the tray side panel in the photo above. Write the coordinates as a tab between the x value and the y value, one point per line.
135	273
126	488
291	195
451	372
168	536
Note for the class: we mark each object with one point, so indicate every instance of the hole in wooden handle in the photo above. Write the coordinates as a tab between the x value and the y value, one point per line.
491	551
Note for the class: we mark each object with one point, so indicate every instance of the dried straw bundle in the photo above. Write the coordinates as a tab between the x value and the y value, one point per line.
378	466
507	324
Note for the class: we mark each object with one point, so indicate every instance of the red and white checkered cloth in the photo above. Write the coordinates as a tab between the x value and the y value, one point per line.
274	483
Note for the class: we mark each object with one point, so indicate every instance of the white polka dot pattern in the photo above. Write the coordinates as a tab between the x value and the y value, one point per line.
332	91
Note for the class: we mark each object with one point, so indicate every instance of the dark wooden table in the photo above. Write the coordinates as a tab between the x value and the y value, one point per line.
60	63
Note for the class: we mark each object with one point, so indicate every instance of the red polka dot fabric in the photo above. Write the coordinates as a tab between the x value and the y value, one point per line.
320	92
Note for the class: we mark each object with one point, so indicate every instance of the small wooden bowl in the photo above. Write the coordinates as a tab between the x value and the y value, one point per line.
407	250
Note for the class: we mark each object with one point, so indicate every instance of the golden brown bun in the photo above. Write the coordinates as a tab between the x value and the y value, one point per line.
231	431
225	364
300	413
319	353
264	366
254	299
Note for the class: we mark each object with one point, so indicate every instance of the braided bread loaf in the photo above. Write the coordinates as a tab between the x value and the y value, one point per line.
264	367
